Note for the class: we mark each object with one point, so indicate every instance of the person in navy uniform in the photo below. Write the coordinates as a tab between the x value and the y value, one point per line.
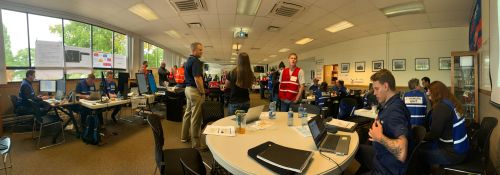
341	89
447	140
389	132
28	102
426	81
112	88
322	94
369	100
83	89
314	86
416	103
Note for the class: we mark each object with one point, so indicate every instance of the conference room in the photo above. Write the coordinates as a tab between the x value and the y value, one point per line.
248	86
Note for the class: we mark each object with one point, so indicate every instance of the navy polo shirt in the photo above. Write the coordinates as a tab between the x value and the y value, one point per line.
26	92
111	86
192	68
395	119
83	88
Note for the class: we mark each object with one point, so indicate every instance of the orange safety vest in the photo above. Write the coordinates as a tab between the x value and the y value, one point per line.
289	89
179	75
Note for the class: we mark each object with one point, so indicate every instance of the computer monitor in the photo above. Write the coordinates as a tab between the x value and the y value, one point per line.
48	86
123	82
141	82
104	86
152	83
61	89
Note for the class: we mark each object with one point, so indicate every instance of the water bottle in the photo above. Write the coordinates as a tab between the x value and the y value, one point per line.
290	117
304	117
272	110
300	110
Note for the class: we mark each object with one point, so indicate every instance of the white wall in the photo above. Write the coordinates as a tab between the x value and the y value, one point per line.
426	43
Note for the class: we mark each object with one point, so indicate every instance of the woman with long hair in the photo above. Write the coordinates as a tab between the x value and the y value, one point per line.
447	139
240	80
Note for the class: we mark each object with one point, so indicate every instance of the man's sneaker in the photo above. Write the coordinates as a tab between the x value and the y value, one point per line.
185	141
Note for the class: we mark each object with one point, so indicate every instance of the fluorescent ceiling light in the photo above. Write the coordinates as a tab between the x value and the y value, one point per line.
247	7
304	41
403	9
143	11
237	46
284	50
339	26
272	56
173	34
233	58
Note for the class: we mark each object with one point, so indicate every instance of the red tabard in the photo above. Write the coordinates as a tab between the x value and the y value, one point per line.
289	89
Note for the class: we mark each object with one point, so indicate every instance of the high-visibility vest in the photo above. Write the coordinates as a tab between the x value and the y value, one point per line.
179	75
417	105
289	89
459	137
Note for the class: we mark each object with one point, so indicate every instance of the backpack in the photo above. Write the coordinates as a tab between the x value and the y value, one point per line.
459	136
91	133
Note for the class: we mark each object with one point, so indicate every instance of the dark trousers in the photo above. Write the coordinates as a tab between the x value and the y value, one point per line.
116	109
365	156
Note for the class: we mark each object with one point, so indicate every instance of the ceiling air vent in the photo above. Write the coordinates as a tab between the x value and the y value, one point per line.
287	9
188	5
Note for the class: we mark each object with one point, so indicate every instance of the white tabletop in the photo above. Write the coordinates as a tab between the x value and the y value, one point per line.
366	113
231	152
98	105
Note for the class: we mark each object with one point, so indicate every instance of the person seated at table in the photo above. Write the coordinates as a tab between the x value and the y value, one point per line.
447	141
111	87
322	94
240	80
213	84
369	99
341	89
416	103
83	89
28	103
314	86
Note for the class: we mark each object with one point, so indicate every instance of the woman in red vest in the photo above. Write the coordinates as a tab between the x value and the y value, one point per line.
291	83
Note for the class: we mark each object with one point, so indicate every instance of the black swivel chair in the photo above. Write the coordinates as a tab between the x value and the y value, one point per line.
413	161
5	145
211	111
478	155
167	160
21	117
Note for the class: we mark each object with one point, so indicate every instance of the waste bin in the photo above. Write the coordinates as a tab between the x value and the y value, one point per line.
174	103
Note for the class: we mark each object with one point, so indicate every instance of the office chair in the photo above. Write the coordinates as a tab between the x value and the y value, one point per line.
186	169
167	160
20	115
5	144
418	133
478	155
211	111
50	119
346	108
413	166
312	109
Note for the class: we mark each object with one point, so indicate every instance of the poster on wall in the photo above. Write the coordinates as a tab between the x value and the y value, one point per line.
102	60
319	69
49	54
120	62
77	57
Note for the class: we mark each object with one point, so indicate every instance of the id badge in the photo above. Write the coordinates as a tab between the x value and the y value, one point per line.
293	78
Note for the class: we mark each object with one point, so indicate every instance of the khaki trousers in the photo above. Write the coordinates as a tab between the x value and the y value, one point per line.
191	122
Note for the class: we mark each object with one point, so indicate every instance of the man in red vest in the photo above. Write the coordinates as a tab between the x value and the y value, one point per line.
291	83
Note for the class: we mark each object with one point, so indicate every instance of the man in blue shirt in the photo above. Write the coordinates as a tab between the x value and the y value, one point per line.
389	132
83	89
314	86
416	103
28	103
341	90
111	88
195	96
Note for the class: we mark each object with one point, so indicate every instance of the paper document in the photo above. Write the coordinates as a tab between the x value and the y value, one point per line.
262	124
219	130
302	130
340	123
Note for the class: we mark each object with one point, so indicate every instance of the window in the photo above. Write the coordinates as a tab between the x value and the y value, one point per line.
85	46
153	54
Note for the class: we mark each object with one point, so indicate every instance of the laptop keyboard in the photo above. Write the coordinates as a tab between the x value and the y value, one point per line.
331	142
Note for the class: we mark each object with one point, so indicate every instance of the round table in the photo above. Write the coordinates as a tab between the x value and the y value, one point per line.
231	152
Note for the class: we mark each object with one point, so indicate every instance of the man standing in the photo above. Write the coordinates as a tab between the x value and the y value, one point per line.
291	83
195	96
163	74
416	103
389	132
426	81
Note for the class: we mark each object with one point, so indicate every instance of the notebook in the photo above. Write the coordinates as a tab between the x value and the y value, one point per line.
284	157
338	144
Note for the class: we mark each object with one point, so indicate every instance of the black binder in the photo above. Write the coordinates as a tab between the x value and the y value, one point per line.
274	153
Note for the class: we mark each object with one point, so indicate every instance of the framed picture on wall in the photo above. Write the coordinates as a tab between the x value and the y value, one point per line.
444	63
344	68
422	64
398	64
360	66
377	65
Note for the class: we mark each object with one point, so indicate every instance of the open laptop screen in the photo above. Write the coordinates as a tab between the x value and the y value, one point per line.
317	129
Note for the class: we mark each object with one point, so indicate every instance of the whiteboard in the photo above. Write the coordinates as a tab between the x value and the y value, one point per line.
49	54
120	61
77	57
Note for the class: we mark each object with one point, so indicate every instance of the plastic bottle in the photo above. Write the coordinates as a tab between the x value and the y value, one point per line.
290	117
303	117
300	110
272	110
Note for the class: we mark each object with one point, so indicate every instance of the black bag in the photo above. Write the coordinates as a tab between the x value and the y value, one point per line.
91	133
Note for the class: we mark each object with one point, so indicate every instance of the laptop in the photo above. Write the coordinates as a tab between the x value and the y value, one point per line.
253	114
94	95
338	144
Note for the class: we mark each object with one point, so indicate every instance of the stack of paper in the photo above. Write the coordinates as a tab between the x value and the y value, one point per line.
220	130
342	125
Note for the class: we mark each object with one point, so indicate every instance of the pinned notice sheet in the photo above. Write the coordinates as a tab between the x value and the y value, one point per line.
220	130
49	54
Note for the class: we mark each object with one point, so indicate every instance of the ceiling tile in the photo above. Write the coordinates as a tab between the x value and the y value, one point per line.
409	19
265	7
210	21
226	21
226	6
244	21
355	7
331	5
448	5
387	3
310	15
